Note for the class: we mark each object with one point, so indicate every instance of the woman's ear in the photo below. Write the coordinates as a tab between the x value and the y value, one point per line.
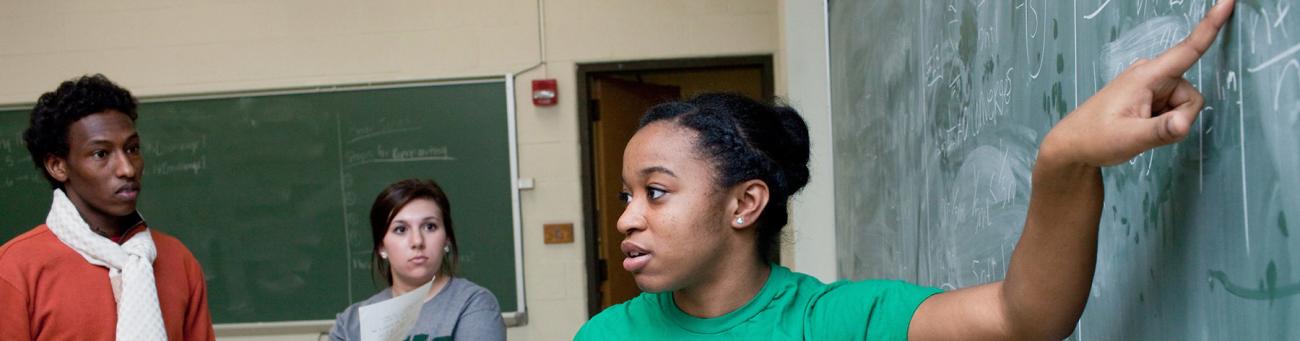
57	167
748	200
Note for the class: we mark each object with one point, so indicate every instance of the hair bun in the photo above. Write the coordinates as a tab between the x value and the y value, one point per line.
794	149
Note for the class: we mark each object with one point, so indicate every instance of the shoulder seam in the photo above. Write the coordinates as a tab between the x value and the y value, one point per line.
5	248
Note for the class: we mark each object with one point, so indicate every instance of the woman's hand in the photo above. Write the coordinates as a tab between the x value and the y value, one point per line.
1147	106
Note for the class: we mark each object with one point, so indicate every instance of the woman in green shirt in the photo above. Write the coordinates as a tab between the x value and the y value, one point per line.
707	182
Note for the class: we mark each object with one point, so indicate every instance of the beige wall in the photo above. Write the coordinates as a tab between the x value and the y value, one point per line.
807	87
162	48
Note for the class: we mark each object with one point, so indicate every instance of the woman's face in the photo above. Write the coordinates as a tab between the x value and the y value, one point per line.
414	243
675	222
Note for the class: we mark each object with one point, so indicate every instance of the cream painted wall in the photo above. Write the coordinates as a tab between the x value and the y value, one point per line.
166	47
807	88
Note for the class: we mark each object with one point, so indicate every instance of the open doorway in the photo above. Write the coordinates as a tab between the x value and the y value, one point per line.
612	98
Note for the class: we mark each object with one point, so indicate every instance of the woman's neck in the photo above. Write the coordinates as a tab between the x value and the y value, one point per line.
439	282
731	287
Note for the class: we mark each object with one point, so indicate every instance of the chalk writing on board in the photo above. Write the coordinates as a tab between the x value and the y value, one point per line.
1098	11
1188	248
1035	30
1265	289
193	166
14	159
397	154
164	148
10	160
14	181
383	132
380	127
1144	41
1291	65
360	262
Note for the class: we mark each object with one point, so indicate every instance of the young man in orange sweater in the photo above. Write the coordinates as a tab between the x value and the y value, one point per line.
94	270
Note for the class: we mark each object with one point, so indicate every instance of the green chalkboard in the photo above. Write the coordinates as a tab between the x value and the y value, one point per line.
938	107
272	192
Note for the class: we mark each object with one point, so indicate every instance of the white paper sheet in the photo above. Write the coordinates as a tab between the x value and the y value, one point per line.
392	319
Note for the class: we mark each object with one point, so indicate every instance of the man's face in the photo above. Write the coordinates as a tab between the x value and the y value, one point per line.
101	173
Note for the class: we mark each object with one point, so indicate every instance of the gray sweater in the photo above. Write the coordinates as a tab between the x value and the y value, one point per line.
461	311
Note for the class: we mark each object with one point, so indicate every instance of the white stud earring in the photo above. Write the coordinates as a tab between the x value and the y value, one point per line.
740	221
383	255
446	249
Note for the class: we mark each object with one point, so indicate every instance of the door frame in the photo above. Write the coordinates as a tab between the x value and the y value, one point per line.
586	74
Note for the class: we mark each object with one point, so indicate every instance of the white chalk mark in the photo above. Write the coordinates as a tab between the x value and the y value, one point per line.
1268	33
1220	89
1277	90
1281	14
399	160
921	103
1253	22
1005	154
1241	119
1076	51
935	80
1275	59
1098	11
1198	75
382	132
343	190
1146	40
1200	161
1151	161
1028	35
1096	82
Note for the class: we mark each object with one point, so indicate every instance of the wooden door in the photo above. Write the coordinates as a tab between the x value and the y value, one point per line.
616	107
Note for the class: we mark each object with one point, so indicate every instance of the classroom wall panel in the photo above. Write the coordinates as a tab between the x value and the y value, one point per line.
811	240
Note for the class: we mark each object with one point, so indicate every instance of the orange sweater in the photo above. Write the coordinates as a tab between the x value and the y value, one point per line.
49	292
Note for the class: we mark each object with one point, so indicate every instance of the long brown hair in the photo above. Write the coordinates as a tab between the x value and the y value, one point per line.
392	200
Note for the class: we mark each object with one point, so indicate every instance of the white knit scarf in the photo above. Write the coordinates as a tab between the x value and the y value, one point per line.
130	269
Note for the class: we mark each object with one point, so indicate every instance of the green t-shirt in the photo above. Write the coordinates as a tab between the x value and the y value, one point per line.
791	306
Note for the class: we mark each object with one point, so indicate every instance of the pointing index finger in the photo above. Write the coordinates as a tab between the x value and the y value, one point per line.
1178	59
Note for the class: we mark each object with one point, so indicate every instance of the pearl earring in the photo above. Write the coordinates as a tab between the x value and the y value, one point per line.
383	255
740	221
446	249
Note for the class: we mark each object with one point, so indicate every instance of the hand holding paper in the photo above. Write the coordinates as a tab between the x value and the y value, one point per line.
392	319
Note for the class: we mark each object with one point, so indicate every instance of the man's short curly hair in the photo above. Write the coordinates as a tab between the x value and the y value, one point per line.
55	112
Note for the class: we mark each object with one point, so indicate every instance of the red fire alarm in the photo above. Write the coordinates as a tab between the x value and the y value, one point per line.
544	93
